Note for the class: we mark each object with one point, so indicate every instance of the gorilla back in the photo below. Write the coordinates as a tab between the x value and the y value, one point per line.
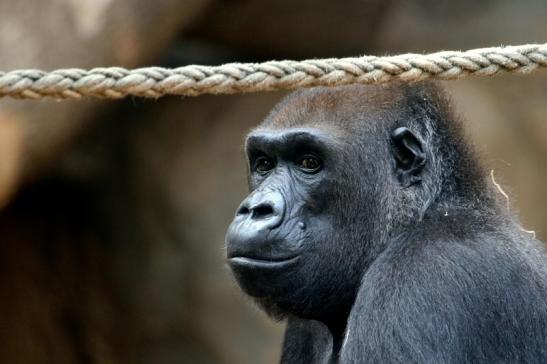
372	227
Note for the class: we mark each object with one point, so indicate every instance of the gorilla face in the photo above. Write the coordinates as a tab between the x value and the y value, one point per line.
284	245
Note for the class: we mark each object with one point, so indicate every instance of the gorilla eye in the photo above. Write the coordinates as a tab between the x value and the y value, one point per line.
309	164
264	164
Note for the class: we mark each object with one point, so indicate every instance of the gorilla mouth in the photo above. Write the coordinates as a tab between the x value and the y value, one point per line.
263	263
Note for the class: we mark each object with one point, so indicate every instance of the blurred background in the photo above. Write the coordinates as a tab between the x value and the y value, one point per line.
113	213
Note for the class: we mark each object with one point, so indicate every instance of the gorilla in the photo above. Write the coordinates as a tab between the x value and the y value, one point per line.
372	227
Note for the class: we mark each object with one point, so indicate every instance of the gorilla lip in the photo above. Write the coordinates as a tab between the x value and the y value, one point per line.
262	262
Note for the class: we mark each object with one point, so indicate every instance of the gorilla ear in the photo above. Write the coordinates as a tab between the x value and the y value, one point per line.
409	156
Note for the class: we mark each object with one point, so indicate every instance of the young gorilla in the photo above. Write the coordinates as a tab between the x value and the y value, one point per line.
372	227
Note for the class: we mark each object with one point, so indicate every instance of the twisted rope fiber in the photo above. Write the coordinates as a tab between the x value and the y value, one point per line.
234	78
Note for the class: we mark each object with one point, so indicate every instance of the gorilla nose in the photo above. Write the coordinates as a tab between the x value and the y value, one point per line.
263	208
253	232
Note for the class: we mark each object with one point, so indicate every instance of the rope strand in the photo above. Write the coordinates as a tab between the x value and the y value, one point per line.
194	80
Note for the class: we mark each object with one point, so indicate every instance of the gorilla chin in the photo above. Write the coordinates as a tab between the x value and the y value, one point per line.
262	274
257	277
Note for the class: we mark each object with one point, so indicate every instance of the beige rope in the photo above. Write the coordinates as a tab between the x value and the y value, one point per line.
275	75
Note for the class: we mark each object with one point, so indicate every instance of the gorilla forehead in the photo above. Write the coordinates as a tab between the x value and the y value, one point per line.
342	110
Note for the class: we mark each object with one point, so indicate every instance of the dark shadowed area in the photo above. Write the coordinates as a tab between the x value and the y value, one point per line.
113	213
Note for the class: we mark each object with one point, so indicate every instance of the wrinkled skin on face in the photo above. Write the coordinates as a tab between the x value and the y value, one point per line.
283	229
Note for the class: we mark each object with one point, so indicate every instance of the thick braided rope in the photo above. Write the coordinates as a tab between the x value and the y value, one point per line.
275	75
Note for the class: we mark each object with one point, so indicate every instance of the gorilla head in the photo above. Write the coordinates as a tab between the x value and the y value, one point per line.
334	174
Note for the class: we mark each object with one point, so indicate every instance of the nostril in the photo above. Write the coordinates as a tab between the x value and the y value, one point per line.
262	211
243	210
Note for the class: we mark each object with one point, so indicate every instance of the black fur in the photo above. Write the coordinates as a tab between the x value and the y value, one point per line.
397	249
